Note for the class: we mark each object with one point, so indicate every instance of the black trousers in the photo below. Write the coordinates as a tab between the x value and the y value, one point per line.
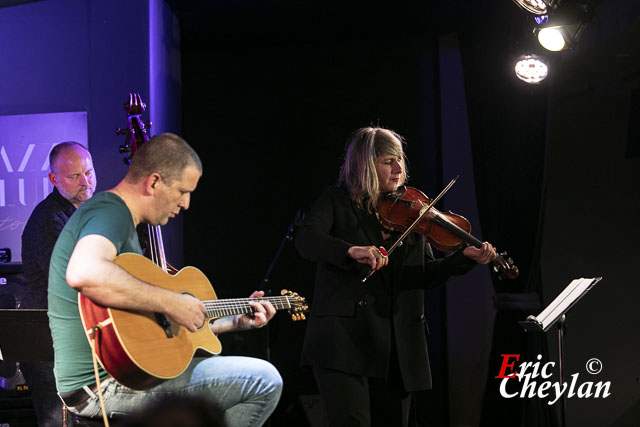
353	400
47	404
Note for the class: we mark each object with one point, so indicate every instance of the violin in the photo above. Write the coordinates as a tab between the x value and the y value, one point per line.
446	231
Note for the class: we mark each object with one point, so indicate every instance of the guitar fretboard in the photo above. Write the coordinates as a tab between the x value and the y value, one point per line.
228	307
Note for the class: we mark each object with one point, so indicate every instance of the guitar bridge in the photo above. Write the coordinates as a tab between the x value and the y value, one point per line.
164	323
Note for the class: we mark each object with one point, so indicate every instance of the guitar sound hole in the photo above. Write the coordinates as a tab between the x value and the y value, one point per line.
164	323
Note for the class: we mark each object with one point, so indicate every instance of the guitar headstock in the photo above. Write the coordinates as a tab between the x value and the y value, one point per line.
298	305
504	267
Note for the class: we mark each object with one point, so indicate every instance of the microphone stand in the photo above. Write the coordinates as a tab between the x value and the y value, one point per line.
265	282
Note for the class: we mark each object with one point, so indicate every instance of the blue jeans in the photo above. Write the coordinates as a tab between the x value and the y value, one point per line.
246	388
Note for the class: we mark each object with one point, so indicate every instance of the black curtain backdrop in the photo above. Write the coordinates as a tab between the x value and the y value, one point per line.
508	122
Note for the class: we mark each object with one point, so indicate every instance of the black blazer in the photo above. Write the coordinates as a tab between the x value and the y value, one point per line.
350	326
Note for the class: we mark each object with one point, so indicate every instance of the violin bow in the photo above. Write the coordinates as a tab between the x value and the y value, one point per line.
414	224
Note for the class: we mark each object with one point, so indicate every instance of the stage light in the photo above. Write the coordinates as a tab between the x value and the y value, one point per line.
563	29
551	38
537	7
561	37
531	69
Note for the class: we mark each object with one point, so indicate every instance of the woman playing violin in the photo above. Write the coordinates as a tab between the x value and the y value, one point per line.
366	342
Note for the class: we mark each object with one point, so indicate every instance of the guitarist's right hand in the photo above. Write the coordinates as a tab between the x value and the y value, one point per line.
187	311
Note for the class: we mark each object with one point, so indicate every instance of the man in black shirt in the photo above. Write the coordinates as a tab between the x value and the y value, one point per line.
74	182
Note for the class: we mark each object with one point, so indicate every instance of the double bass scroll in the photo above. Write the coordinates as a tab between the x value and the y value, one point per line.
136	131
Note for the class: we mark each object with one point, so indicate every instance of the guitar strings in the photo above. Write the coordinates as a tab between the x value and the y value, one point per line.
241	305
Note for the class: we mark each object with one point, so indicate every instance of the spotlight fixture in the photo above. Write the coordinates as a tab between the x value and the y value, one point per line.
537	7
531	69
563	29
551	38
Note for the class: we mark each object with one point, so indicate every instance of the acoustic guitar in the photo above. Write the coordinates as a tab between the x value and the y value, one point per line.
142	349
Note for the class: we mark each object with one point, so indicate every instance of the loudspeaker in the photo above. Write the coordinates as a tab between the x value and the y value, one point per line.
11	285
16	409
11	291
20	416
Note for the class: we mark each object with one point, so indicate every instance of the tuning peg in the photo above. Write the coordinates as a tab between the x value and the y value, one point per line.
297	316
120	131
506	258
284	292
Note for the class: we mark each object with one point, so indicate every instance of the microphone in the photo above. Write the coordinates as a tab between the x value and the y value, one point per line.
297	222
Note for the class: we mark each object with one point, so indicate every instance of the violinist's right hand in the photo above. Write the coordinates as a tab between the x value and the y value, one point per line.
369	255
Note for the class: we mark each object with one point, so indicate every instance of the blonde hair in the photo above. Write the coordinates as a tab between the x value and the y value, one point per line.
358	173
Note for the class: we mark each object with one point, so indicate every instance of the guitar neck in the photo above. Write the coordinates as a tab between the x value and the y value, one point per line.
227	307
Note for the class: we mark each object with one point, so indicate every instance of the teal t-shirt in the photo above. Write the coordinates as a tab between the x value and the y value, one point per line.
105	214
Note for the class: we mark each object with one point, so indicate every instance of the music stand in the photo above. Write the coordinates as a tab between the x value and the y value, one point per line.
25	336
557	311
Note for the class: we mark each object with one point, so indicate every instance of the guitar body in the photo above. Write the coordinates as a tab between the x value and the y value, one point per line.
132	346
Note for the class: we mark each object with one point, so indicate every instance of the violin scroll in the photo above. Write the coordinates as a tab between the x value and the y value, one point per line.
504	267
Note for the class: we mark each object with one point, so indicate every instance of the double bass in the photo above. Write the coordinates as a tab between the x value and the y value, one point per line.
136	136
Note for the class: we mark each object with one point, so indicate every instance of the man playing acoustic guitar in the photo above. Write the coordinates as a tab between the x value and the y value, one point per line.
158	184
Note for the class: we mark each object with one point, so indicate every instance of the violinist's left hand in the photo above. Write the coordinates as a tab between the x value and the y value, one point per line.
483	255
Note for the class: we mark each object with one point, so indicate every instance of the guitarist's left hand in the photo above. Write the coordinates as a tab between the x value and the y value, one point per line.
263	313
